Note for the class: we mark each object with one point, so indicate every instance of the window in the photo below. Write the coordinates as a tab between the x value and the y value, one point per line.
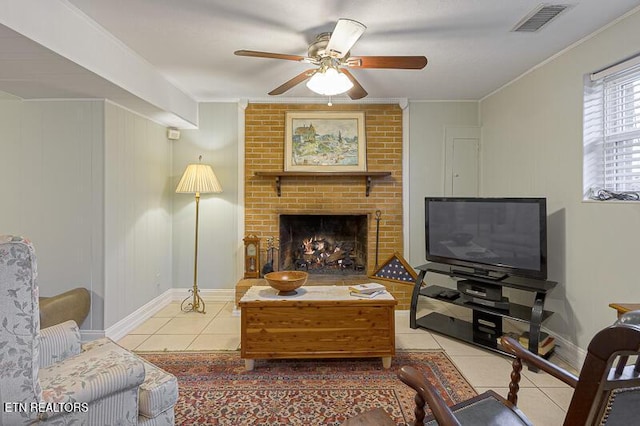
612	133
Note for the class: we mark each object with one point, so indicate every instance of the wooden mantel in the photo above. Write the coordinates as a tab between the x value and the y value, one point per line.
279	175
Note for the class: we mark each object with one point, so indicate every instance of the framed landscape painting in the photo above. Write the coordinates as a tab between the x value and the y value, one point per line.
318	141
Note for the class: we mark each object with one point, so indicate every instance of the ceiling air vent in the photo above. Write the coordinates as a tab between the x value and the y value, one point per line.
539	17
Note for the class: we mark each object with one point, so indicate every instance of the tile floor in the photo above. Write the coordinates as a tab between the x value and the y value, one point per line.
543	398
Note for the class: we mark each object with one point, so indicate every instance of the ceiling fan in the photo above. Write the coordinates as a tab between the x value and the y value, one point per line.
331	53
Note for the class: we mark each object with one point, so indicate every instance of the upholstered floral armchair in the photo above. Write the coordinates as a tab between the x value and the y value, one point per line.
48	376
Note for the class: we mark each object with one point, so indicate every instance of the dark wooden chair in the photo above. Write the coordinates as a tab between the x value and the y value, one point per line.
607	391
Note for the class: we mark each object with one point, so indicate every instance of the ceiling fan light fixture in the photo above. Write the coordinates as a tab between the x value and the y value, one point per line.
329	82
331	52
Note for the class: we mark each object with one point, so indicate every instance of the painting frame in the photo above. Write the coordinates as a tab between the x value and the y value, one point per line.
340	146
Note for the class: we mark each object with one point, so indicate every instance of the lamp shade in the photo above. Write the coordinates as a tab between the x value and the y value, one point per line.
198	178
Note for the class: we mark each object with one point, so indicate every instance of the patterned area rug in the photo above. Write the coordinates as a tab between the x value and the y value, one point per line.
215	389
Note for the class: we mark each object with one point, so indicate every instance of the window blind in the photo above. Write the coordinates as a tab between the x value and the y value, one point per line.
612	134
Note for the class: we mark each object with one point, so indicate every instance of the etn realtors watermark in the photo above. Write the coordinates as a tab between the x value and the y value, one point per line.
45	407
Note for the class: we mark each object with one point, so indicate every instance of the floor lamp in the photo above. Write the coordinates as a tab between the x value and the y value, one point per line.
197	179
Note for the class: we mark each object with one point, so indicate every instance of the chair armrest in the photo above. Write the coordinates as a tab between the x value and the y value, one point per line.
59	342
426	393
513	346
91	375
70	305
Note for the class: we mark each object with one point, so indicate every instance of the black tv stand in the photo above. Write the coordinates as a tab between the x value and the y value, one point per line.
486	328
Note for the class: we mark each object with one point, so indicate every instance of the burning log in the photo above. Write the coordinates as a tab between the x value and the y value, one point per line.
335	256
314	245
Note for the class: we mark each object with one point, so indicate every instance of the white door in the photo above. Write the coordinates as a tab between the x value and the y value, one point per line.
462	158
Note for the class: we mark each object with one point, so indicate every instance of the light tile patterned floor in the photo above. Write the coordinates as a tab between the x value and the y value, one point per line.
543	398
173	330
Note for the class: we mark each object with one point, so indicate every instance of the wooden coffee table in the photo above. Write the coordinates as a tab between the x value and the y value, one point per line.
317	322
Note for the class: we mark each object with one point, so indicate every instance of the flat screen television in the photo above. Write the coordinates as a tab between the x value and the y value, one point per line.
495	237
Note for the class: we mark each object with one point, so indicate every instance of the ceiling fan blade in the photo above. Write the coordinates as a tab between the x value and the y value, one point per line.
344	36
256	54
357	91
304	75
398	62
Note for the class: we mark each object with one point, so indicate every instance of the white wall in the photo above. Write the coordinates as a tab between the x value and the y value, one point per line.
137	214
93	186
532	146
51	169
89	184
217	141
427	122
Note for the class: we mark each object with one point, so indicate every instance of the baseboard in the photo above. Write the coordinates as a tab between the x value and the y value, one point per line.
140	315
569	352
136	318
89	335
209	295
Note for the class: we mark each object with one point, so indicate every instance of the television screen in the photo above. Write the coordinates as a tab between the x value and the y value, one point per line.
488	234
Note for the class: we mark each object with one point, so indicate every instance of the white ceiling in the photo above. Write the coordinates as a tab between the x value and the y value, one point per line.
470	47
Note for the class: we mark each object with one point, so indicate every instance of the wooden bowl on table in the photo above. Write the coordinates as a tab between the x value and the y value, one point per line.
286	282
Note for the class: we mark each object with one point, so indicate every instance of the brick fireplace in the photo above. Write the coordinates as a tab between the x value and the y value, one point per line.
327	195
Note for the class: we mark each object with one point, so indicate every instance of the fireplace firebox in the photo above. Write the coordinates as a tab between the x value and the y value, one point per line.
324	244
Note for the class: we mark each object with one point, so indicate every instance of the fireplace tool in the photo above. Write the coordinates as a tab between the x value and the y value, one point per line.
271	248
378	214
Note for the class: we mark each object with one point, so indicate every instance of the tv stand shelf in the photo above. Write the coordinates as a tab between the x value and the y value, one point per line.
516	312
486	327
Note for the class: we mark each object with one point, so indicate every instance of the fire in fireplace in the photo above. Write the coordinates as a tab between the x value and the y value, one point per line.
324	244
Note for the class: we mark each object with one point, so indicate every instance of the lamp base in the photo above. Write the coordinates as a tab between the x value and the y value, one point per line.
193	303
